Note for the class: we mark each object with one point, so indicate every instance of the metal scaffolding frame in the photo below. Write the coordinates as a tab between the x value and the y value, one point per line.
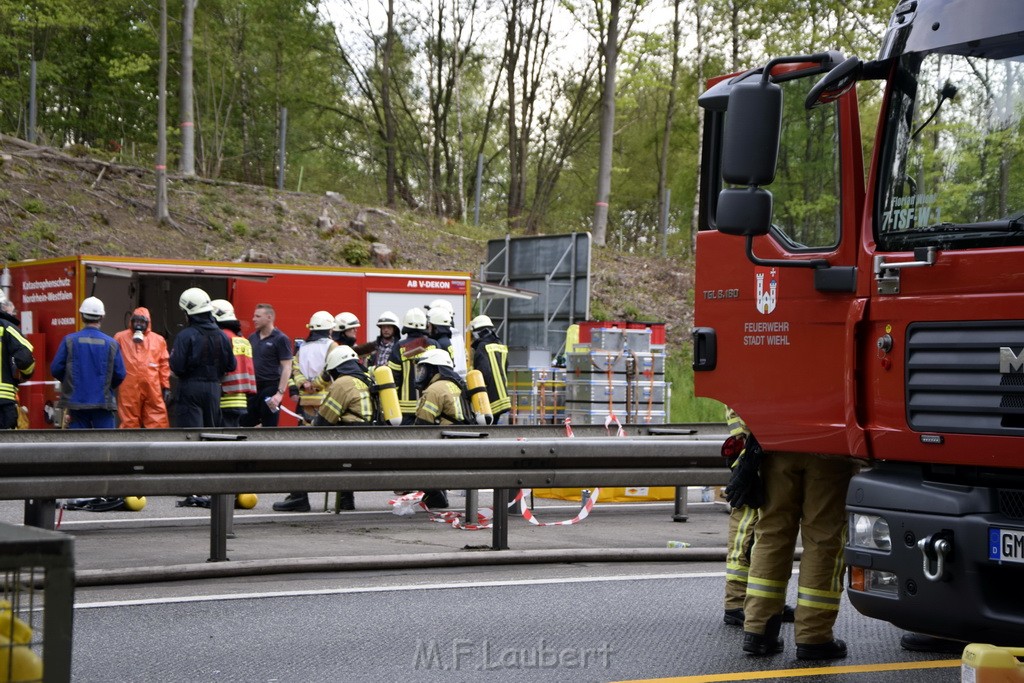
559	294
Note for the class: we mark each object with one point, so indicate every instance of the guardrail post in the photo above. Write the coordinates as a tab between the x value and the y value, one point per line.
499	538
680	514
472	505
221	507
41	513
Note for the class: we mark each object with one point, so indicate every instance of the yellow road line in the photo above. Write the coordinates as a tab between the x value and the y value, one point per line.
798	673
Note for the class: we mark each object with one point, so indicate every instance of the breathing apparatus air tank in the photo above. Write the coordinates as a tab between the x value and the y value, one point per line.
387	393
478	397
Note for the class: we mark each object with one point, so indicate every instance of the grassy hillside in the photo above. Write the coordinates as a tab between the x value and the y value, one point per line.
59	203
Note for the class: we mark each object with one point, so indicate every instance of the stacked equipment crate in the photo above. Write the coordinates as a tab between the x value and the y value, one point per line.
537	394
621	376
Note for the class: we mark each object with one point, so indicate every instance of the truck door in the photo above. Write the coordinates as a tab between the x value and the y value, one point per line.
775	342
944	350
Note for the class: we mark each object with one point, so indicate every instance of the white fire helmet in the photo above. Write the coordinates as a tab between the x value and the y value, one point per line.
223	311
321	320
340	355
92	308
438	357
345	321
439	316
441	303
194	301
479	323
389	318
415	319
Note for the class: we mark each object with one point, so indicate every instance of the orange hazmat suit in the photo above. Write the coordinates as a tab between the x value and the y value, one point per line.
140	401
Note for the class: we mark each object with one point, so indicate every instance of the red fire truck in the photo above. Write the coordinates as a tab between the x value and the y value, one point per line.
880	315
48	293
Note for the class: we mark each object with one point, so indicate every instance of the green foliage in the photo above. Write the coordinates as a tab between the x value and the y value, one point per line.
43	230
239	228
598	311
356	253
685	406
34	206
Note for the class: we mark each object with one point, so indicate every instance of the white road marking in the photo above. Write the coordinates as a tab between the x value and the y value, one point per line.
387	589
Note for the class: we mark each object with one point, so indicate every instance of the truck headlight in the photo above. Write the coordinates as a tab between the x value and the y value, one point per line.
869	531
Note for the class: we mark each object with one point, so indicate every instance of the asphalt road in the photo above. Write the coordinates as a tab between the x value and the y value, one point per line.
579	620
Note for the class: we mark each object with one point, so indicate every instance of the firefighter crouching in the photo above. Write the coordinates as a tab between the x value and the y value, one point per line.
442	401
803	493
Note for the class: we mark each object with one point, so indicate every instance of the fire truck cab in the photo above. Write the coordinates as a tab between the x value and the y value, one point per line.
876	310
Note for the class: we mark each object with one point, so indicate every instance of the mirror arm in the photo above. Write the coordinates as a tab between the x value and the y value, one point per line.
779	263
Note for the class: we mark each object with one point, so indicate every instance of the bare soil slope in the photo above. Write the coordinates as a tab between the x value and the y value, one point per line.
54	203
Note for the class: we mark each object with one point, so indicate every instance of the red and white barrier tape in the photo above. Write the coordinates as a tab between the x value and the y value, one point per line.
410	502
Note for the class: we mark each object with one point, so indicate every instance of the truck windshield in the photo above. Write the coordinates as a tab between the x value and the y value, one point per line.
952	171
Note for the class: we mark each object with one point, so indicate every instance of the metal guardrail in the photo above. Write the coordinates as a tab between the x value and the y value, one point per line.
43	466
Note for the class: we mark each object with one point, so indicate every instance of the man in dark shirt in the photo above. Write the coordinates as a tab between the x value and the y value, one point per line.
272	356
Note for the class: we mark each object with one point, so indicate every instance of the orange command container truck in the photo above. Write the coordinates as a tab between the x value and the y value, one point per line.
867	299
47	294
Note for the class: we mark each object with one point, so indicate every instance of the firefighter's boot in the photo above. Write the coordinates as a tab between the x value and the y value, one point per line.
767	643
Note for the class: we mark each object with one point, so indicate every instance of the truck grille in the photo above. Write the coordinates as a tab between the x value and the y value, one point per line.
1011	503
954	383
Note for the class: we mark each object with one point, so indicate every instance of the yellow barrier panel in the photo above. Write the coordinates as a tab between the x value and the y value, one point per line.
610	494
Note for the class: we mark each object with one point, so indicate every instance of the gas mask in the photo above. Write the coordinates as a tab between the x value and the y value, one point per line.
424	373
139	325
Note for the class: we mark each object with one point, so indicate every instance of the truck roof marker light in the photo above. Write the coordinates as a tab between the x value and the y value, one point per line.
937	439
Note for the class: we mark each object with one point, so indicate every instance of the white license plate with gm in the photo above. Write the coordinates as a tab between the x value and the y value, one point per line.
1006	545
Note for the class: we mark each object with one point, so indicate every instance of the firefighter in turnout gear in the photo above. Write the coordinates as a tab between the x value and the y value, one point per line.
490	357
238	384
308	364
402	361
742	521
201	356
442	401
348	399
805	494
347	402
16	362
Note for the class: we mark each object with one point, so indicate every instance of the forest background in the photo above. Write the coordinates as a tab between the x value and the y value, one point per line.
391	105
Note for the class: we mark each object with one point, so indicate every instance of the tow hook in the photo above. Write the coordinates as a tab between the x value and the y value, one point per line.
936	548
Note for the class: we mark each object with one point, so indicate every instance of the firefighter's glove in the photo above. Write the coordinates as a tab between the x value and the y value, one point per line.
745	488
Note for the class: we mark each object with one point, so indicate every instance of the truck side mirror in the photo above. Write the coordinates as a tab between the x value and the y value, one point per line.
750	145
746	212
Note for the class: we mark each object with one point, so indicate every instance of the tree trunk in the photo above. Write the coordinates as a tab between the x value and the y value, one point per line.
604	170
163	215
667	136
699	29
187	163
389	114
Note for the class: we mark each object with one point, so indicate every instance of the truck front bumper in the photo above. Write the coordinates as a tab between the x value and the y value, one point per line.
954	565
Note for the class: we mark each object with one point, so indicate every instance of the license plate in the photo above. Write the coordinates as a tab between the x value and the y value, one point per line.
1006	545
